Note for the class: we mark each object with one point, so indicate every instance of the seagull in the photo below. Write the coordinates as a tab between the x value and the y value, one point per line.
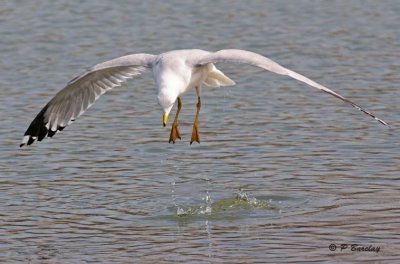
175	73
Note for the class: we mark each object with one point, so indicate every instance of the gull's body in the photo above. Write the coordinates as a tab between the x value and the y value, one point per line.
175	72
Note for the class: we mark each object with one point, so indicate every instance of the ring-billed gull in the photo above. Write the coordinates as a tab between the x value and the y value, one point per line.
175	72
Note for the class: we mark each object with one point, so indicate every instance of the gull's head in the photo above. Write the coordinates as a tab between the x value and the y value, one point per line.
166	101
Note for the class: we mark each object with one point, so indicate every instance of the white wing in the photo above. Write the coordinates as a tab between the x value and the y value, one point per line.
243	56
81	92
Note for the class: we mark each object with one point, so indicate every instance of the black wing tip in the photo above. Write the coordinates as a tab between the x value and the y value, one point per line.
38	129
51	133
27	140
30	138
383	122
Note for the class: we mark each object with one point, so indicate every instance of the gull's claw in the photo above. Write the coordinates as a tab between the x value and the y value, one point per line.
174	133
195	134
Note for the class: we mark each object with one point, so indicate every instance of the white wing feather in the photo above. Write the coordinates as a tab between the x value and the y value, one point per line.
248	57
81	92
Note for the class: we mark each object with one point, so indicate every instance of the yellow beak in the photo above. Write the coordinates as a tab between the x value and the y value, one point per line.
165	120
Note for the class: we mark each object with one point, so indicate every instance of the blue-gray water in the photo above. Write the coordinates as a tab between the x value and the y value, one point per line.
282	172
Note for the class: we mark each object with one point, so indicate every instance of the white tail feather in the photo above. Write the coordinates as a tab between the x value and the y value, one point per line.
216	79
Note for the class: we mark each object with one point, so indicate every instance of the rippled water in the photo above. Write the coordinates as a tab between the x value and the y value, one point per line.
282	172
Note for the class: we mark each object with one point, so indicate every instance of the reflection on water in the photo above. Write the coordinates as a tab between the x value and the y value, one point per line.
282	172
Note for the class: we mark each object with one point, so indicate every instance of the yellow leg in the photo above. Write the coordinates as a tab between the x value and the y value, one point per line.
195	132
174	130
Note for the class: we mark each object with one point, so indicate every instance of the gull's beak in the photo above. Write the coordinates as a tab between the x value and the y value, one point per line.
165	120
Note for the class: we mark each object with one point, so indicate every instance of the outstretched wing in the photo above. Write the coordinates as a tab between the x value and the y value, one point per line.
248	57
81	92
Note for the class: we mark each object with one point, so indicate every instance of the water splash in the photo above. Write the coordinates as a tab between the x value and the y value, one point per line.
207	209
240	204
251	200
180	211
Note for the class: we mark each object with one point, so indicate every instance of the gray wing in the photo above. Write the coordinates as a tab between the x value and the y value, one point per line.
248	57
81	92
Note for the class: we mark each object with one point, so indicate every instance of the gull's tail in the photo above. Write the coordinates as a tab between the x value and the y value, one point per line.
217	78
